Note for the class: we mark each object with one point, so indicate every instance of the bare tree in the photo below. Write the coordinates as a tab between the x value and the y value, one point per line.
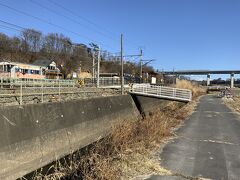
32	40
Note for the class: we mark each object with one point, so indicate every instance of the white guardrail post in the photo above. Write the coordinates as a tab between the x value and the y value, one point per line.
190	95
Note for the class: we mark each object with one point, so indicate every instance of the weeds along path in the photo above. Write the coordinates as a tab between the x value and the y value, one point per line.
128	151
233	103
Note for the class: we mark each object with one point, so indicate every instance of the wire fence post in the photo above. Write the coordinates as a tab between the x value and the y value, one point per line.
122	75
11	83
59	91
98	66
42	93
21	94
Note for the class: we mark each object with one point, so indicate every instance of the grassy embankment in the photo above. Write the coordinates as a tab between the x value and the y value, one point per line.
128	151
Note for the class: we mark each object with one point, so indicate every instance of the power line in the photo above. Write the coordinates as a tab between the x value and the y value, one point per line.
70	19
12	24
87	20
23	28
42	20
55	25
9	28
71	45
20	28
81	17
47	22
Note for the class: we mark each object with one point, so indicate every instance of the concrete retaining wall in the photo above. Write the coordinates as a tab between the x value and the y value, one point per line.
147	105
35	135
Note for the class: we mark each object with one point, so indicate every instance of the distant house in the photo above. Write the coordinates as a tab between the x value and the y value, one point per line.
10	69
49	68
48	64
40	69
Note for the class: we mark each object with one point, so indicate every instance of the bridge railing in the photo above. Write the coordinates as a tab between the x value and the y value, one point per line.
162	92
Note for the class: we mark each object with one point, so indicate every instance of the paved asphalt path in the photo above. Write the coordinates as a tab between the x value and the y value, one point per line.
208	145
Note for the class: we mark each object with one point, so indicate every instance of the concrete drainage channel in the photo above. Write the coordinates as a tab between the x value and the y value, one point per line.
33	136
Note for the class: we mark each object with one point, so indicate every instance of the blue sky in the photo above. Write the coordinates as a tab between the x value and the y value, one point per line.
179	34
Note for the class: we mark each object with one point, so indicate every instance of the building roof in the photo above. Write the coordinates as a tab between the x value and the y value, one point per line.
42	62
21	65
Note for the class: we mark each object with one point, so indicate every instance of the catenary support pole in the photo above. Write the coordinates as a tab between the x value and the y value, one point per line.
141	64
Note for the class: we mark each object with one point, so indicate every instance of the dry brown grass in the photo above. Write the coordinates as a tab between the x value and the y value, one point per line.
233	103
195	88
127	151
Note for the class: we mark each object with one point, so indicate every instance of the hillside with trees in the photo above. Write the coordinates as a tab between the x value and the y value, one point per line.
31	44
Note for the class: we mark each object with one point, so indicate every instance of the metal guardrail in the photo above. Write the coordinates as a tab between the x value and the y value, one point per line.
162	92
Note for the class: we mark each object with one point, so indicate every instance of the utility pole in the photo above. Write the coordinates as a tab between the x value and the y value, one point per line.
95	62
141	54
122	77
122	56
98	66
